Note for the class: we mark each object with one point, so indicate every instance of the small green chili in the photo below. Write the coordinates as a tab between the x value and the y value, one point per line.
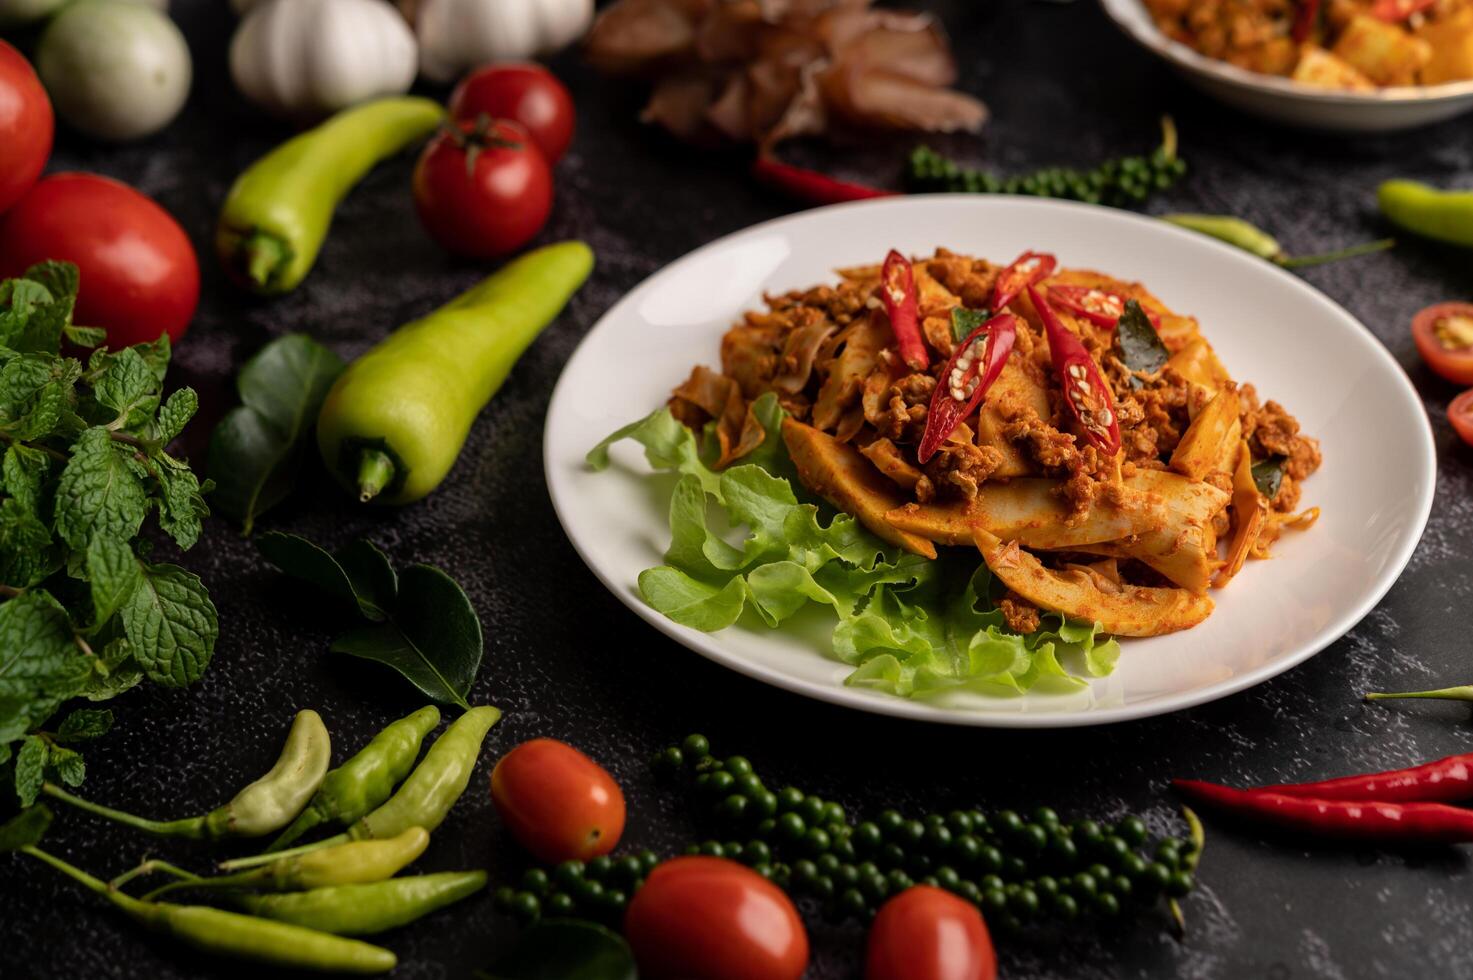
1251	238
364	909
359	785
1444	215
1461	693
426	796
232	934
264	806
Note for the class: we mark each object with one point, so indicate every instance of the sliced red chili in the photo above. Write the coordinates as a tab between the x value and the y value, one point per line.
898	293
1027	270
1304	20
1395	11
1085	392
969	373
1099	306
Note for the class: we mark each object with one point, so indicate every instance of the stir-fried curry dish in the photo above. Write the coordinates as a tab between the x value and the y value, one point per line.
1082	436
1351	45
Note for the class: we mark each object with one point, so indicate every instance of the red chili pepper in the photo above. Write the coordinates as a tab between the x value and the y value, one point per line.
1027	270
1099	306
1413	823
1085	392
898	293
969	373
1395	11
1444	781
1304	20
810	185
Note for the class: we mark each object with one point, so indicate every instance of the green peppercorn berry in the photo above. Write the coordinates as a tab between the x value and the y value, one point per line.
763	804
790	827
733	808
719	783
765	870
1046	885
1133	865
804	870
535	880
599	867
588	891
828	864
846	876
994	901
912	833
692	849
966	849
1100	873
1179	884
526	906
892	855
703	782
781	875
817	840
1024	903
980	824
970	891
876	887
919	864
560	903
938	837
890	823
1065	907
843	848
1033	837
503	898
899	880
866	868
947	877
834	813
614	900
931	880
733	850
789	798
811	810
1046	816
1168	852
959	821
851	902
1062	850
749	785
1087	832
867	836
1083	884
1112	850
1008	823
766	827
737	765
669	760
991	882
989	859
696	748
1121	886
713	849
757	852
1106	904
822	886
1152	881
568	873
1014	867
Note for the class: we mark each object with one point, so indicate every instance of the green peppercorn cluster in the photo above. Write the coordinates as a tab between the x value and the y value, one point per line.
1123	182
1017	870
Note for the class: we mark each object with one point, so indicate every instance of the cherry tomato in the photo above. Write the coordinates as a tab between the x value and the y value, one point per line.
524	93
705	918
482	189
927	933
140	276
26	126
1444	336
558	803
1460	414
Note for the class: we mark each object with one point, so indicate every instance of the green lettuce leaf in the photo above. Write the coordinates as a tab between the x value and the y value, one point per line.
907	625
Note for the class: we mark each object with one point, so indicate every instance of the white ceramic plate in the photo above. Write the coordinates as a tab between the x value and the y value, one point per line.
1269	327
1285	101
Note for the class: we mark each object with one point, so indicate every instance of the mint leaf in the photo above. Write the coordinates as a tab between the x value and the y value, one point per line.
113	672
84	336
40	665
60	279
433	638
176	413
25	829
39	307
171	625
67	764
182	507
114	575
24	472
18	299
85	724
99	492
127	385
256	450
26	555
30	769
35	394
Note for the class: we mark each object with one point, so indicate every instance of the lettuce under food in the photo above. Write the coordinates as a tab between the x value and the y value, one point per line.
907	625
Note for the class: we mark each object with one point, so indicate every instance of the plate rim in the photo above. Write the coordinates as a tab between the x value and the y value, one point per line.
1149	36
896	706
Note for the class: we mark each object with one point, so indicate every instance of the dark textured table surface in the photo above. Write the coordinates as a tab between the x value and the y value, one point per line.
1064	88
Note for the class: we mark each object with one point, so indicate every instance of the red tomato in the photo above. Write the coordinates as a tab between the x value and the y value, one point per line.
1460	414
140	277
558	803
705	918
524	93
1444	336
26	126
481	191
927	933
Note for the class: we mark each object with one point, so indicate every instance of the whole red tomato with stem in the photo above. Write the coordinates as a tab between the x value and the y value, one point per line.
482	189
27	125
706	918
927	933
139	273
557	802
528	95
1444	336
1460	414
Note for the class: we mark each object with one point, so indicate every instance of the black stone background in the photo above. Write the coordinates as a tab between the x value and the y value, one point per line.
565	659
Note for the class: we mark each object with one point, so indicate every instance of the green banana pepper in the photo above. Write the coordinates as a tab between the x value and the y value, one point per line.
364	909
277	213
1444	215
395	421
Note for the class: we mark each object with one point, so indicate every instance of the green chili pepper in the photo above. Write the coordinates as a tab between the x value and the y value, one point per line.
424	799
362	910
363	782
1444	215
232	934
261	808
1251	238
277	213
352	863
395	421
1461	693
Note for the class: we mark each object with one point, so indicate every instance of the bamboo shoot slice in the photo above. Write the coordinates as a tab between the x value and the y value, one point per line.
1197	362
1013	390
1203	444
1250	511
1135	611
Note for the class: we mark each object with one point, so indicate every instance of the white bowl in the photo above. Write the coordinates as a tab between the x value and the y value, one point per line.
1282	100
1269	327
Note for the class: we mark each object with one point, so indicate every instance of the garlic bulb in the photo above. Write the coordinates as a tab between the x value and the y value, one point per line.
456	35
